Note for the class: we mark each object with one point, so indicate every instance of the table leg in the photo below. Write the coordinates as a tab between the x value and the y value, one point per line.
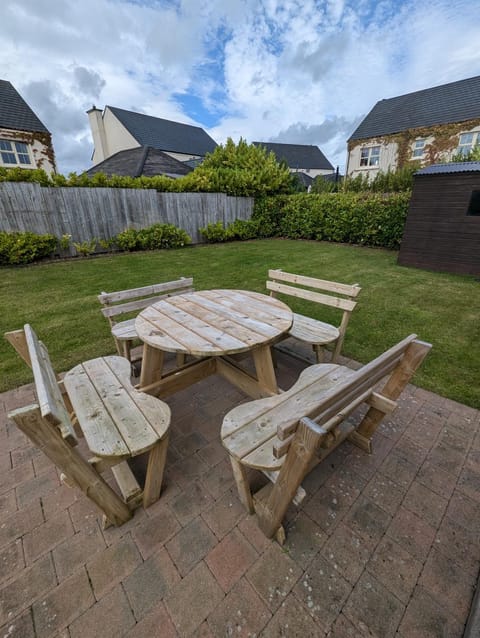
154	476
262	358
152	365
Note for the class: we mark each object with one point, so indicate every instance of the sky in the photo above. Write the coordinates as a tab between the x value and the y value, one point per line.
291	71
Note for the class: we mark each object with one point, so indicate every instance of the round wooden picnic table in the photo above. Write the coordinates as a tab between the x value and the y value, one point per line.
213	323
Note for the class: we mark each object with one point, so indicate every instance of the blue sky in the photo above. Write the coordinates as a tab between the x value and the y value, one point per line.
265	70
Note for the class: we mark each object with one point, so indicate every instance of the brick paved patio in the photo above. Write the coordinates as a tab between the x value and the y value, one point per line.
383	545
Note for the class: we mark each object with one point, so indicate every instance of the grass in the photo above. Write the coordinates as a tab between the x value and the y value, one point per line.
59	300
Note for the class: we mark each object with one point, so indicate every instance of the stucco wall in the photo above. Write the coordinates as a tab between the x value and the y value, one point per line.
40	149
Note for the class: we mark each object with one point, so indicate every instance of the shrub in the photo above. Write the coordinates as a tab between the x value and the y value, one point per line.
85	248
23	248
152	238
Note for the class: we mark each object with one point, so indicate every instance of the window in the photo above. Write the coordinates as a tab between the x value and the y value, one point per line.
474	205
370	156
467	142
14	152
419	147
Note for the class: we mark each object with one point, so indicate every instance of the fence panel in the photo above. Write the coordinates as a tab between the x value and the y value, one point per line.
101	213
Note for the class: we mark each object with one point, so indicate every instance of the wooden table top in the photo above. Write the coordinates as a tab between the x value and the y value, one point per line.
213	322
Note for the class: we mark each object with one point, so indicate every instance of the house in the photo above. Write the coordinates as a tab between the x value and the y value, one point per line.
427	126
24	141
116	130
300	158
143	160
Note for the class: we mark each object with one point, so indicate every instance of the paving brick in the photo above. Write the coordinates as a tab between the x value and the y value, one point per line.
112	566
367	519
372	605
186	470
19	627
230	559
273	576
113	533
304	539
469	483
366	464
77	550
224	514
84	513
460	544
343	628
399	470
62	605
157	624
213	453
8	504
446	458
464	510
46	536
24	455
191	443
11	561
395	568
16	476
242	613
440	482
58	499
30	584
427	505
328	506
249	528
191	545
20	523
292	620
194	499
385	493
219	479
112	614
348	552
198	593
150	582
155	532
424	617
323	591
5	461
447	583
412	533
36	487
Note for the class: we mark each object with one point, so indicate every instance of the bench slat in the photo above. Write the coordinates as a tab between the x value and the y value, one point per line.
350	290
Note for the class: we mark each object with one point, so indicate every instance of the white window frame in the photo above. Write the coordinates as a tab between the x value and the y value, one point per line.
16	150
467	142
419	147
370	156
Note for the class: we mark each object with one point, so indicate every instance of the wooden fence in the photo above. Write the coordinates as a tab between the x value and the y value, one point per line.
101	213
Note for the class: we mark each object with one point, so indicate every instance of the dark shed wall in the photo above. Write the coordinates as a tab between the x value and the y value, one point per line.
438	233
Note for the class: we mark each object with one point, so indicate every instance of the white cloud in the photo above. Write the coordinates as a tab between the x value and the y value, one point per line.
300	71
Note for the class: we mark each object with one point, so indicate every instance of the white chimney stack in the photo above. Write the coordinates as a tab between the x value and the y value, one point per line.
100	151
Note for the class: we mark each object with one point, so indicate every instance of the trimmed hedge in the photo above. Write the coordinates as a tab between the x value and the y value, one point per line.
370	219
23	248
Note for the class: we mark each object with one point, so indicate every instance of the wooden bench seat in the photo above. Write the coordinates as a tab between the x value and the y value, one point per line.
286	435
100	403
319	291
123	303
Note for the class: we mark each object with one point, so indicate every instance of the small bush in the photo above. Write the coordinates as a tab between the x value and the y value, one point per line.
152	238
24	248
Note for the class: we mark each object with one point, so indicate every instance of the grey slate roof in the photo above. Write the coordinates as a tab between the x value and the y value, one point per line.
143	160
15	113
453	167
298	155
165	135
453	102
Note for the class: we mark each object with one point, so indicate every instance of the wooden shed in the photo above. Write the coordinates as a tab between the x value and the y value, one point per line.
442	231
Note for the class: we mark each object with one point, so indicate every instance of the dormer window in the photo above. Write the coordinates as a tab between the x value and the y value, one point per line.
370	156
419	147
14	153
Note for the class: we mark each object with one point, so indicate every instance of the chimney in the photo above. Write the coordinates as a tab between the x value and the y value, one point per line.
100	151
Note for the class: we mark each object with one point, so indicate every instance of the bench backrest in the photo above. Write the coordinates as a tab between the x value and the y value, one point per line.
127	301
308	288
49	396
337	402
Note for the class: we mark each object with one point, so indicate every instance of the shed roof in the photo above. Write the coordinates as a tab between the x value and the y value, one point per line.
454	102
165	135
452	167
298	155
143	160
15	113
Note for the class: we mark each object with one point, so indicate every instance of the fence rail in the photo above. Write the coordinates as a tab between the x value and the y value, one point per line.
101	213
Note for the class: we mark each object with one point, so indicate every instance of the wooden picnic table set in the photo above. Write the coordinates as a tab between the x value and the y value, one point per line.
283	434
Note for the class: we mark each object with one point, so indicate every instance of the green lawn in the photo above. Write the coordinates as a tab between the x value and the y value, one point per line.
59	300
